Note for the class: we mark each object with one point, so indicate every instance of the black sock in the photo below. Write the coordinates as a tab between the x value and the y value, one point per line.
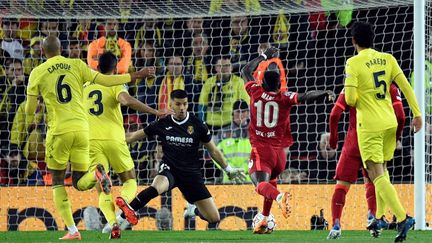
142	199
197	213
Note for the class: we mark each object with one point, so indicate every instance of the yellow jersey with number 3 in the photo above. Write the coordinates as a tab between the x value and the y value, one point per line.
104	112
372	72
60	82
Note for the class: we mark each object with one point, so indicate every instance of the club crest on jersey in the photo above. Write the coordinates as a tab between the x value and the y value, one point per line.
190	130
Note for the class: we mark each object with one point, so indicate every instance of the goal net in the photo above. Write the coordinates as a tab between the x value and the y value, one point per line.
199	46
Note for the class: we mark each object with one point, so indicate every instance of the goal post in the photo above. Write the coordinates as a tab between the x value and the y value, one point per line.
420	25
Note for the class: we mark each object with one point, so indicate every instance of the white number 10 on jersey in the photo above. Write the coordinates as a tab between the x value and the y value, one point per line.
269	122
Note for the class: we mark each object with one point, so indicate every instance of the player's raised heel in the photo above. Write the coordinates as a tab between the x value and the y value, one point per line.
68	236
403	228
128	211
283	202
115	232
103	179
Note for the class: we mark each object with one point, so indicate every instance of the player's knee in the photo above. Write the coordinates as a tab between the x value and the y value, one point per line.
75	179
214	218
127	175
57	177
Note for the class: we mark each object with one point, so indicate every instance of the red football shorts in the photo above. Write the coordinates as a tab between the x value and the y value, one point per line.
347	168
268	159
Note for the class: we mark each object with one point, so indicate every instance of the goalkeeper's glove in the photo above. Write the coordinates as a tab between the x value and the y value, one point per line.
235	174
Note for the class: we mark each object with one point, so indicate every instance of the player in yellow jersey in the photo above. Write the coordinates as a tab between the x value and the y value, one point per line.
107	135
367	83
60	83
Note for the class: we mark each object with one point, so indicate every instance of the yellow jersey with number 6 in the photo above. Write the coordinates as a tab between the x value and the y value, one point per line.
372	72
60	82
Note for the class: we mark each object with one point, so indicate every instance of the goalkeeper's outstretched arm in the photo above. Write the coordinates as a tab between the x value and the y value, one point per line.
233	173
135	136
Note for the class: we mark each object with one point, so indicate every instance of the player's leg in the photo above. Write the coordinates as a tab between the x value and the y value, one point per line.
123	165
267	204
265	162
207	210
370	194
346	174
57	155
82	178
384	148
195	192
99	157
391	198
163	182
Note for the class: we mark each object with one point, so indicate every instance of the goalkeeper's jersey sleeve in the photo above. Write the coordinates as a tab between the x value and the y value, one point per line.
60	83
371	73
104	111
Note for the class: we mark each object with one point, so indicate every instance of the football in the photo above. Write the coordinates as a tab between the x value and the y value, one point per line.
271	222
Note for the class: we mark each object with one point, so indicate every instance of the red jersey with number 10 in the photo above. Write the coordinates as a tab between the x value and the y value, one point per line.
270	116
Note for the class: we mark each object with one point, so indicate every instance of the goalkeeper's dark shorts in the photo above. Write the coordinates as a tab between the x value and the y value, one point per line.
191	185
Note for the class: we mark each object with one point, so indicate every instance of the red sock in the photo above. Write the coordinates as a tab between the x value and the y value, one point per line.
268	202
267	190
338	202
370	197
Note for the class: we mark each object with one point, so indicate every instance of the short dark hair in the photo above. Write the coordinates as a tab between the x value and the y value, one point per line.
107	62
178	94
240	105
11	61
363	34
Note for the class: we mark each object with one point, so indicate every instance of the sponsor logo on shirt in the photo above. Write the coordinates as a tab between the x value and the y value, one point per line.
178	140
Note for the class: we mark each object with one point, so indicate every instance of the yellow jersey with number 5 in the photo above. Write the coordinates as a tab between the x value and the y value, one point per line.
60	82
372	72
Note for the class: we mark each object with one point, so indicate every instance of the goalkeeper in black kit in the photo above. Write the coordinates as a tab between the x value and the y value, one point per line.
181	135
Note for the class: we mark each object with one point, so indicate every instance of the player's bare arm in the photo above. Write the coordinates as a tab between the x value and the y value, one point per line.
247	71
315	95
127	100
234	174
135	136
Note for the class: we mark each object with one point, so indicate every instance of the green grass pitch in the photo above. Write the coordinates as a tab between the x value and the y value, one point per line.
214	236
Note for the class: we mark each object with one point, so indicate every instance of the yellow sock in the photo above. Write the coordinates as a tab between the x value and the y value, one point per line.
129	189
381	205
106	205
388	193
62	204
87	181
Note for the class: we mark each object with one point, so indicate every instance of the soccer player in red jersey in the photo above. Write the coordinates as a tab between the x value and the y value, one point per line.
270	118
350	161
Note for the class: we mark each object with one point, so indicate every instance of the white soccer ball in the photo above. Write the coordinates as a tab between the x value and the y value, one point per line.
271	222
